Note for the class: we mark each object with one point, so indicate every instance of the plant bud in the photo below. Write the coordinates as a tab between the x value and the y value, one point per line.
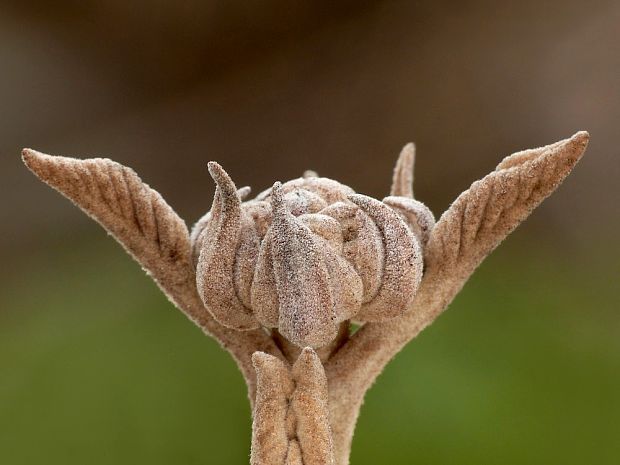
307	255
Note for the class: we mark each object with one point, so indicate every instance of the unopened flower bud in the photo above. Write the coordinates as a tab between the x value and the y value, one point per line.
307	255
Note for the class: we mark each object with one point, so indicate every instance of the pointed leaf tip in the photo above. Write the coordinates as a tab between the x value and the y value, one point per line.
277	200
402	179
34	159
260	359
571	150
581	136
135	214
482	216
28	155
579	141
215	170
308	363
222	179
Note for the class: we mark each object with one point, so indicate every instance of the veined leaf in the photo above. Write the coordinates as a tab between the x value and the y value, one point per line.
482	216
136	215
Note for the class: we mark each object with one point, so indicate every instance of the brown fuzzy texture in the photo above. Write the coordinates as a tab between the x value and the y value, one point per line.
271	276
154	235
306	256
291	413
402	263
402	180
478	220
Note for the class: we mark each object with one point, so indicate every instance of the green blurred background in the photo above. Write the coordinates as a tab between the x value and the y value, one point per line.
97	367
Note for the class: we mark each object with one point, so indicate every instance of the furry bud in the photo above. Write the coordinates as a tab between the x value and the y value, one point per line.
307	255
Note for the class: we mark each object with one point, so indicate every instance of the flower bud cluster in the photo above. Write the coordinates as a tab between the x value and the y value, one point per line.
307	255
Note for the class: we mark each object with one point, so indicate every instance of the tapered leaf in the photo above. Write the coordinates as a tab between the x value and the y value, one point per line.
478	220
482	216
136	215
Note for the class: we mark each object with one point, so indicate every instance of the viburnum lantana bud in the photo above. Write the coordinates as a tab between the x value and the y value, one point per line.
307	255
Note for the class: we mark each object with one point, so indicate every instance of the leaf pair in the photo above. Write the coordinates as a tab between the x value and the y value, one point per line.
291	413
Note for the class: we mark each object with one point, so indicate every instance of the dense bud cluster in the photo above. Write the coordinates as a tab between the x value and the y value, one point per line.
307	255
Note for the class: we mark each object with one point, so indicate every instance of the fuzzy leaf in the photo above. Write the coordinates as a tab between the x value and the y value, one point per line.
136	215
482	216
148	228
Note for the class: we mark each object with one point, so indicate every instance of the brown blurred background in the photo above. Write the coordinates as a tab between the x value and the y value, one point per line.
272	88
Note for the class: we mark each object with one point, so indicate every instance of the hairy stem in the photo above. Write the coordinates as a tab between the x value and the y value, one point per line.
353	369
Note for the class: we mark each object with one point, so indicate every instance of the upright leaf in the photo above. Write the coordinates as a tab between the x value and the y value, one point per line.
482	216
